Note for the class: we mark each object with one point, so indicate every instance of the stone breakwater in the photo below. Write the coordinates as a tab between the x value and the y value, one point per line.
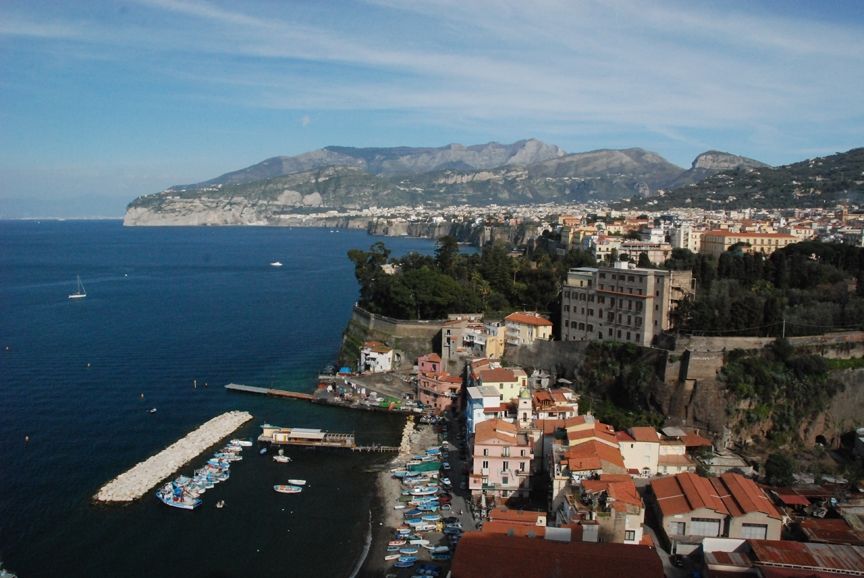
137	481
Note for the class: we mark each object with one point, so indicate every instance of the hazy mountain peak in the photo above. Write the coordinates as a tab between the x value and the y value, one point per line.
721	161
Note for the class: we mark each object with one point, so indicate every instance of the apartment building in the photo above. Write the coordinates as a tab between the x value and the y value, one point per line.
525	328
715	243
684	236
502	460
621	303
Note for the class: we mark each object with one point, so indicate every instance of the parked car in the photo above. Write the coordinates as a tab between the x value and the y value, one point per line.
446	465
457	525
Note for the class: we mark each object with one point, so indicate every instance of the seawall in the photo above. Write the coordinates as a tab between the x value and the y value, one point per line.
137	481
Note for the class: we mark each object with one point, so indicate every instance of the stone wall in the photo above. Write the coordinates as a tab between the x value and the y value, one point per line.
410	339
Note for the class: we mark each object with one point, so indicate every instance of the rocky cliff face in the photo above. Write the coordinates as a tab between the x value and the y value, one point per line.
712	162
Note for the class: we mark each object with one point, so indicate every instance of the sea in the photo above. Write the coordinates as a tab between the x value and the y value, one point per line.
173	315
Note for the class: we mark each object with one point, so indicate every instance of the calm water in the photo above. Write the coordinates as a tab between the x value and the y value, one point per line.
166	307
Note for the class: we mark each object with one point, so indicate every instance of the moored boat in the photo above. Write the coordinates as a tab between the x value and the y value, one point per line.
297	482
174	496
281	459
391	556
242	443
287	489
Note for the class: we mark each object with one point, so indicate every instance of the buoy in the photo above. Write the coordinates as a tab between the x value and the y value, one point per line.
88	364
26	439
142	396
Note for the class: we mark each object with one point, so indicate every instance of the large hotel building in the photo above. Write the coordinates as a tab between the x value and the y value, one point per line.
621	303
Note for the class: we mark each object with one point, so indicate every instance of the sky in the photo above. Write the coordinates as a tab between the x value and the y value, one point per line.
103	101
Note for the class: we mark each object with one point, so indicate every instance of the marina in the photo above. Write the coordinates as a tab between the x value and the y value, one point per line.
137	481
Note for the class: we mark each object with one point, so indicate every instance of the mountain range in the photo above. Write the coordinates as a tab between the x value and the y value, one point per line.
524	172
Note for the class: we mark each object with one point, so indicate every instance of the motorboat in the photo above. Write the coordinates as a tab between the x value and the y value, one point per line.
297	482
281	459
275	264
287	489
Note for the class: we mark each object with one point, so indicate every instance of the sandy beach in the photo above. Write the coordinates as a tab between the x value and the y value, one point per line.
385	519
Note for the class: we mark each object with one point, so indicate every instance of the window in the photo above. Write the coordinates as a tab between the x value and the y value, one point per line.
677	528
505	480
628	336
591	329
485	452
521	466
582	326
485	464
522	453
754	531
505	465
631	278
629	535
566	308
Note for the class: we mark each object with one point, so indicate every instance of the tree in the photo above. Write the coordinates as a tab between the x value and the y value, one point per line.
644	261
446	254
779	470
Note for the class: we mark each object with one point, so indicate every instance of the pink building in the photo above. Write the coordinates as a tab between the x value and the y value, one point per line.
502	461
429	363
435	387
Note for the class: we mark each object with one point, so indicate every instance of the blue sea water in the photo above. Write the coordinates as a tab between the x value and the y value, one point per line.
166	308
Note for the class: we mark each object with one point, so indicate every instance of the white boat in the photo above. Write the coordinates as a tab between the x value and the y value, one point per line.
275	264
80	292
151	410
241	443
297	482
287	489
281	459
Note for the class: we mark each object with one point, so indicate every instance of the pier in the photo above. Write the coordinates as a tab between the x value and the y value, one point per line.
269	391
137	481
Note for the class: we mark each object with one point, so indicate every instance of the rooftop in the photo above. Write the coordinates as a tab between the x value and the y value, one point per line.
528	319
501	556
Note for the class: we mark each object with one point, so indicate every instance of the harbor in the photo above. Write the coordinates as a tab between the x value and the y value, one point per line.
144	476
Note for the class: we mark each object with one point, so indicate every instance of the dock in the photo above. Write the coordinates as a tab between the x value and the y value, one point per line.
307	437
144	476
269	391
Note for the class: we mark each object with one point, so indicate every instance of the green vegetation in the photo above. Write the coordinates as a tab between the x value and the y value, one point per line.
781	385
493	281
820	182
813	286
779	470
616	381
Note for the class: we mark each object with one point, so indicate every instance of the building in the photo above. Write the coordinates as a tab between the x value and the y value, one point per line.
684	236
509	381
691	508
780	559
439	390
611	502
621	303
640	449
493	555
715	243
501	461
554	404
483	403
525	328
375	357
656	251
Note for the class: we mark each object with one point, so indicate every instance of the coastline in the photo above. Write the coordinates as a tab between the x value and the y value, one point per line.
385	519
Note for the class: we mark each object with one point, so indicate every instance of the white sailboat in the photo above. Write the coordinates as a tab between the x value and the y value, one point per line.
80	292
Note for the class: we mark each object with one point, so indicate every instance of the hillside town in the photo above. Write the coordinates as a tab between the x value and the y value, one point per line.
549	485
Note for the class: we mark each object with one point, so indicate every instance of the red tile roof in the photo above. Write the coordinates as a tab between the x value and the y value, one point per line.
731	494
830	530
431	357
499	374
500	556
513	529
495	429
505	514
724	233
528	319
644	434
585	455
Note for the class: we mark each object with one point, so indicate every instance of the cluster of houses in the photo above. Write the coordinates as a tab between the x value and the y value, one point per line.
527	445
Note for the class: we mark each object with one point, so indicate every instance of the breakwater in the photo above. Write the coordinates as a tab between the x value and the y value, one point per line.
137	481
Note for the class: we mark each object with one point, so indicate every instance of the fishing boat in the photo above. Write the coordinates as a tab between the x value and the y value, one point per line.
409	550
411	559
389	557
262	451
396	543
287	489
281	459
297	482
80	292
174	496
151	410
399	507
241	443
431	518
419	542
220	504
275	264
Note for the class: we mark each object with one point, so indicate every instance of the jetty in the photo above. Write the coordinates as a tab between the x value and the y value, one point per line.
269	391
137	481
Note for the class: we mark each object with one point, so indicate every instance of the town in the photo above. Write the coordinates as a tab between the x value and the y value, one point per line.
550	485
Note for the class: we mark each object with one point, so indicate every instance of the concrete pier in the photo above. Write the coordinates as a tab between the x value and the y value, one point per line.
137	481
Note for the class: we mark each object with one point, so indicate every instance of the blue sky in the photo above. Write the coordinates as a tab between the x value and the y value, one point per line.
108	100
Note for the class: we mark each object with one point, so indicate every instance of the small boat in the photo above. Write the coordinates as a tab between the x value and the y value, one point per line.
411	559
275	264
431	518
287	489
419	542
220	504
281	459
399	507
441	550
297	482
262	451
408	550
174	496
391	557
152	410
396	543
241	443
80	292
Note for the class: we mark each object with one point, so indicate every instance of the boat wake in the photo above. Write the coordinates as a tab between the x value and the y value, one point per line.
365	553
